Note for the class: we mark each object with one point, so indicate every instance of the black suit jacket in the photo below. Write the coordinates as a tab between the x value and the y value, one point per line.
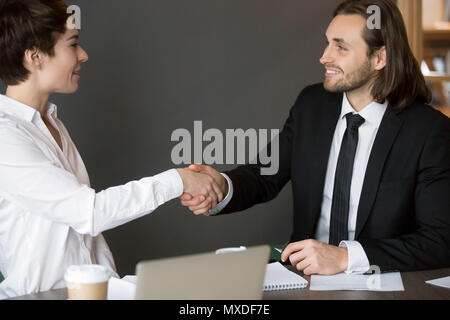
403	219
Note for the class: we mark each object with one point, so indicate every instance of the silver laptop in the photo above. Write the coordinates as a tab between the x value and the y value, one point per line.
207	276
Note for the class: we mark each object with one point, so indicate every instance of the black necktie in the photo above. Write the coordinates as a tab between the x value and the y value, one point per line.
343	179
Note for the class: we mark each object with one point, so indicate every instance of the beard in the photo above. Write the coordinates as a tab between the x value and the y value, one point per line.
352	81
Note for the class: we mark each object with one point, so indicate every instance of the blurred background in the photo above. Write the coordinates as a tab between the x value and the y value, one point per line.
428	26
156	66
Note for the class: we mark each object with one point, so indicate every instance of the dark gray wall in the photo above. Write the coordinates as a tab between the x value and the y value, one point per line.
155	66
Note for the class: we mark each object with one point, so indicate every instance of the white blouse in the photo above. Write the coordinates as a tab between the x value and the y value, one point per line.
50	217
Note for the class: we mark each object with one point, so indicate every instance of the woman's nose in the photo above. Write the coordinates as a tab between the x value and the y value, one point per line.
83	55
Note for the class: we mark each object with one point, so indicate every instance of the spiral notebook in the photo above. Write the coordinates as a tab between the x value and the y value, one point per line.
279	278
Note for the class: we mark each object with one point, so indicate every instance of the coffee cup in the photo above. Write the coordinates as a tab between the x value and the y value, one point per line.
87	282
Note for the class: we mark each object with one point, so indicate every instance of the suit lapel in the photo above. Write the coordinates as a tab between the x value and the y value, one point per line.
387	133
326	120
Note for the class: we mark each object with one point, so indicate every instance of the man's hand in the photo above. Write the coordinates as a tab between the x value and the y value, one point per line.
314	257
202	186
195	203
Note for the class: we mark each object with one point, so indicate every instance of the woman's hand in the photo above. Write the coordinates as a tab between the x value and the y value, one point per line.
195	203
203	185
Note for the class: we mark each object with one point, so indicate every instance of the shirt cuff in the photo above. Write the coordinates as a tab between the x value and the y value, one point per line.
221	205
358	263
172	179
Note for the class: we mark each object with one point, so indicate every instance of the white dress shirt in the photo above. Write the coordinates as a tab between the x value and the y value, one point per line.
373	114
50	218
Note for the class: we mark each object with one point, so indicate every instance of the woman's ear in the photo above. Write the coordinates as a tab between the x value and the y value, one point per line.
380	58
33	58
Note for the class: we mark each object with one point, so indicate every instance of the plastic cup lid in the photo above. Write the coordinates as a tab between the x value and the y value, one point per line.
88	273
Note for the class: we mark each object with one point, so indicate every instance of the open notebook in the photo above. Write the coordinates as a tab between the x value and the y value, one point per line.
279	278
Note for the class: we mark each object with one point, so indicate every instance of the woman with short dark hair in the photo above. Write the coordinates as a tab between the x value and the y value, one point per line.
50	218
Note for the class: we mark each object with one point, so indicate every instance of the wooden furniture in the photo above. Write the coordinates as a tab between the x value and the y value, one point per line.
428	42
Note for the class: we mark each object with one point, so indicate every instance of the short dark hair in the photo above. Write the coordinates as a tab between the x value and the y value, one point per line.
401	82
24	25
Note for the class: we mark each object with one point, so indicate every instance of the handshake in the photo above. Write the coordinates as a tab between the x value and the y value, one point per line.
203	188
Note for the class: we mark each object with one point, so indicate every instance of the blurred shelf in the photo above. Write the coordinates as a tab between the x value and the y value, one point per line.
444	110
435	77
430	41
436	34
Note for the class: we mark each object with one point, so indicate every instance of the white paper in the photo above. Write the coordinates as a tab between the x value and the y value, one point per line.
122	289
279	278
375	282
441	282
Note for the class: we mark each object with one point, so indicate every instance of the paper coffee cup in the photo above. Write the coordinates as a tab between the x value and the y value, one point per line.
87	282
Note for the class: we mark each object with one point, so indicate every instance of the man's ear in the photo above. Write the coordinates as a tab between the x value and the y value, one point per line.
380	58
33	58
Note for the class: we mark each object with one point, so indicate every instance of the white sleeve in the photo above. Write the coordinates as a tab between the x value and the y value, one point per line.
38	185
358	263
226	200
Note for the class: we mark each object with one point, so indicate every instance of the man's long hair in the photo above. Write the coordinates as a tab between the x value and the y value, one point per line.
401	82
